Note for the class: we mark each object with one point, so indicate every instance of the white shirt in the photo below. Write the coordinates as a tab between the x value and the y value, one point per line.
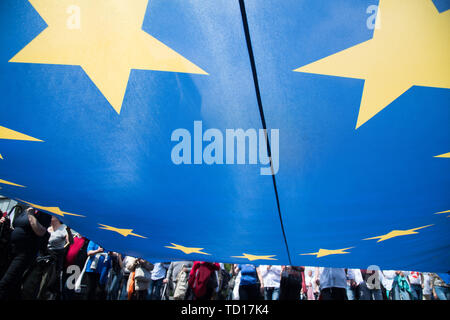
271	277
57	238
128	260
237	282
312	269
309	279
414	278
159	271
333	278
388	279
426	283
355	274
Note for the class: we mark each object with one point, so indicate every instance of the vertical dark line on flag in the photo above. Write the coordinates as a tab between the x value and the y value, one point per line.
261	113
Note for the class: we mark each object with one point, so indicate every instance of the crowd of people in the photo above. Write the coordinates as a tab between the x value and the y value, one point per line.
43	259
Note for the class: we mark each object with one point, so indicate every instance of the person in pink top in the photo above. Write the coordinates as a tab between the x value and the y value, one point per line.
74	249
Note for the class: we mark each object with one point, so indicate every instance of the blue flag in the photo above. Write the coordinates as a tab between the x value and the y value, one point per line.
360	93
293	132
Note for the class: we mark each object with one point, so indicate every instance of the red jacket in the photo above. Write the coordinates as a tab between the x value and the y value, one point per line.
199	276
73	251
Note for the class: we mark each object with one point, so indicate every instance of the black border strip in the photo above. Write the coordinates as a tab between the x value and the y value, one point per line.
261	113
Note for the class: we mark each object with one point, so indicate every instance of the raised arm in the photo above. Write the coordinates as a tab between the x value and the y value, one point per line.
94	252
38	229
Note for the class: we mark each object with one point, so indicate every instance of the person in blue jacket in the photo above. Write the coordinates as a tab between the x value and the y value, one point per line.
97	269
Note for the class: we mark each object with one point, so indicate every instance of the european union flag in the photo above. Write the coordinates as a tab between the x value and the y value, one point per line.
293	132
360	90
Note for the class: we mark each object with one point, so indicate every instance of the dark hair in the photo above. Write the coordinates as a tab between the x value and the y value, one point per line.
57	218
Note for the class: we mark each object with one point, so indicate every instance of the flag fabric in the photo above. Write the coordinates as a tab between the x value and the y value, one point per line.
115	117
361	180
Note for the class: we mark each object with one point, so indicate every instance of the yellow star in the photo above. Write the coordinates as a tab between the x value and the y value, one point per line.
445	155
9	134
411	48
54	210
106	40
325	252
397	233
447	211
11	183
252	257
186	250
124	232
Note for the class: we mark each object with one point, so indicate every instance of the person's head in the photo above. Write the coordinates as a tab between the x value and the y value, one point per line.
310	272
55	221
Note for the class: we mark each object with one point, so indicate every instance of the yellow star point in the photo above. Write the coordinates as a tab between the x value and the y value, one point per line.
186	250
252	257
11	183
326	252
446	211
9	134
123	232
107	43
397	233
411	48
55	210
445	155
